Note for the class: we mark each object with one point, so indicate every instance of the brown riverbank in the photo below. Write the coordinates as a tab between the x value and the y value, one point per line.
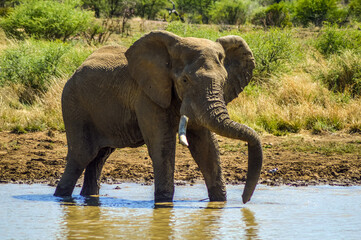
301	159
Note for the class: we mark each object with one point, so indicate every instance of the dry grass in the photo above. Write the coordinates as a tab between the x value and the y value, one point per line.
295	102
289	102
45	113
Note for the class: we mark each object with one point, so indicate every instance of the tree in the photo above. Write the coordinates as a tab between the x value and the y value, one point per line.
314	11
198	10
149	8
107	8
229	12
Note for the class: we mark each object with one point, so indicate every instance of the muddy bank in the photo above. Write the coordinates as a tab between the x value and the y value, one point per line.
296	160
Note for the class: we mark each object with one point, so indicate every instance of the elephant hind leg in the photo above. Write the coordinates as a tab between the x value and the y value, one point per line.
72	172
93	171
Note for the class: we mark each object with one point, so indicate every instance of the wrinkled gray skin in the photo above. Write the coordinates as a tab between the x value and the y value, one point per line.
124	98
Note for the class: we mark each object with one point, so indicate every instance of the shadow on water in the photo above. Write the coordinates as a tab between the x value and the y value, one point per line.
110	218
104	201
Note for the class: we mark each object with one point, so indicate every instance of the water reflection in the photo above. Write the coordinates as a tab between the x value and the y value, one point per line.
251	224
180	220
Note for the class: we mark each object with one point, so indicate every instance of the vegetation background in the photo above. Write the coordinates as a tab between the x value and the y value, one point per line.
308	54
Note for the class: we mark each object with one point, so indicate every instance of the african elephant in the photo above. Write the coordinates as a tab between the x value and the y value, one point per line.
127	97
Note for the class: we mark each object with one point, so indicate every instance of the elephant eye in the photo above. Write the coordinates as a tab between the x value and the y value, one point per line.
220	57
185	80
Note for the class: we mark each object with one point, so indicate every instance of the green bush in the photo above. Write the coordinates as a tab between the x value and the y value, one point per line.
46	19
314	11
150	8
273	50
33	64
334	40
343	73
228	12
355	9
277	126
276	15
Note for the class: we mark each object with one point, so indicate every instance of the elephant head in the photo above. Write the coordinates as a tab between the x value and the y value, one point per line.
204	75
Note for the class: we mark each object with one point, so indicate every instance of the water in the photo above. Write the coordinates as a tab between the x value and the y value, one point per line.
318	212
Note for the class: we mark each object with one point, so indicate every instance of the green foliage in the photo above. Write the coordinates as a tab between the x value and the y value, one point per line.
276	15
108	8
318	124
228	12
197	10
189	30
355	9
277	126
273	50
46	19
343	73
33	64
314	11
334	40
150	8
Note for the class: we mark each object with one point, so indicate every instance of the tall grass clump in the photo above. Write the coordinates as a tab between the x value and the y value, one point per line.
294	103
275	51
342	74
335	40
32	65
43	114
46	19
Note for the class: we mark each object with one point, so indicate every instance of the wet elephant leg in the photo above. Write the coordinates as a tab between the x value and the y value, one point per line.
159	134
93	171
204	148
163	158
72	172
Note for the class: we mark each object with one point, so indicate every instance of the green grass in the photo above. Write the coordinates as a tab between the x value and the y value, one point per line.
326	148
296	91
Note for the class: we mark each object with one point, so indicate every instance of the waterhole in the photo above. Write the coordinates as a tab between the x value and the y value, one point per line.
127	211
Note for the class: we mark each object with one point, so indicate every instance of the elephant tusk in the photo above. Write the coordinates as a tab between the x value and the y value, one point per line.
183	130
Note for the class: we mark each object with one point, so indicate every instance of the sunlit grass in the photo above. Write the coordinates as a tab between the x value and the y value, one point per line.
291	97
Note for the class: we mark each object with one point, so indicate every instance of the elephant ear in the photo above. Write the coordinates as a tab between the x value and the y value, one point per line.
149	63
239	63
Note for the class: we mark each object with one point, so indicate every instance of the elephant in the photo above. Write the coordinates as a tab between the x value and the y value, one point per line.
160	85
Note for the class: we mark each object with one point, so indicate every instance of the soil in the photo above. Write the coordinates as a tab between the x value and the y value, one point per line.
296	160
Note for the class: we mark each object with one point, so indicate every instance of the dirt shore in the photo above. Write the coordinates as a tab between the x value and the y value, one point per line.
297	160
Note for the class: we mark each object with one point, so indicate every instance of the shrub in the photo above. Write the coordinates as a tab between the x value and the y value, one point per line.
355	9
343	73
33	64
276	15
314	11
333	40
273	50
46	19
228	12
150	8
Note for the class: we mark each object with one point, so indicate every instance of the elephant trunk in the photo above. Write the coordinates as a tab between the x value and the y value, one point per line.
216	119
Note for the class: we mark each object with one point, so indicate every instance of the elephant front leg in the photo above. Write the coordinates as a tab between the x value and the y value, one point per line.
159	134
204	149
163	155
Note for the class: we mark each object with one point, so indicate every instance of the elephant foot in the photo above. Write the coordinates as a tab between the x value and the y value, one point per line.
88	191
217	194
163	197
63	192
